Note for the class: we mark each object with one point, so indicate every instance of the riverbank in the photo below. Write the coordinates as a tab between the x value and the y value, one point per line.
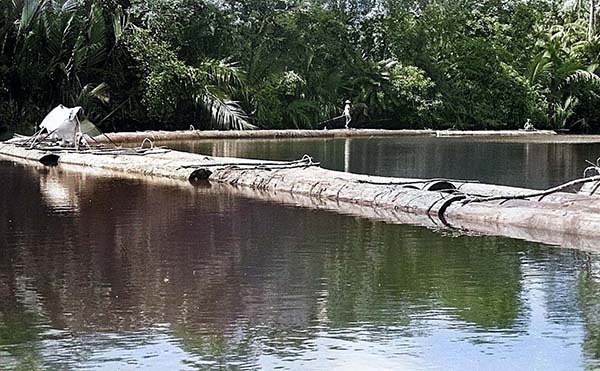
443	203
179	135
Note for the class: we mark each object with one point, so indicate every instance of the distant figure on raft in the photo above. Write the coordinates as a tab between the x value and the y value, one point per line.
347	112
529	126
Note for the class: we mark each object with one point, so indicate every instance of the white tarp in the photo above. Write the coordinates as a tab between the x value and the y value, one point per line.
62	123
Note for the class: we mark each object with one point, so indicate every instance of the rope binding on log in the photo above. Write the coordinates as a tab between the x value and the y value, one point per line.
540	194
305	162
202	172
39	143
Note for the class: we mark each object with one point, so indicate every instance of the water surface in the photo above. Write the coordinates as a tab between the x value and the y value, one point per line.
103	272
539	162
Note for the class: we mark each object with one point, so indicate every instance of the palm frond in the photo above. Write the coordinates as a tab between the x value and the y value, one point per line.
29	14
562	112
566	68
302	113
91	91
222	73
387	63
538	66
225	114
10	10
120	22
582	76
96	37
70	6
90	48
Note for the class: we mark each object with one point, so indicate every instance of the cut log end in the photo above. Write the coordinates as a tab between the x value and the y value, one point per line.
440	186
199	176
49	160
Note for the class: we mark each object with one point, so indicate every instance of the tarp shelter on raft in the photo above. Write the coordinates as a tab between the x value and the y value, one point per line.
62	124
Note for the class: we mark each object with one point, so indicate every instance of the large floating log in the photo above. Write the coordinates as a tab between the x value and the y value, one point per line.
488	133
560	212
45	157
441	201
164	136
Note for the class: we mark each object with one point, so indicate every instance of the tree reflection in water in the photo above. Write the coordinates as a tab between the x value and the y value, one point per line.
93	267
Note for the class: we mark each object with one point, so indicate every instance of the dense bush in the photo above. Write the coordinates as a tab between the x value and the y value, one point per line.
138	64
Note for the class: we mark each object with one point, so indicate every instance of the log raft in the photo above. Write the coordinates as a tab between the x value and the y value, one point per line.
179	135
432	202
491	133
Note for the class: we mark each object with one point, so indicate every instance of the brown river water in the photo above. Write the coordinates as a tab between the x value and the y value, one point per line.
104	272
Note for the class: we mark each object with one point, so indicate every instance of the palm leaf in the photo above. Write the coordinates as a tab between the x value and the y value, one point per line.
91	91
96	37
225	114
562	112
70	6
303	113
222	73
119	23
540	64
90	48
582	76
29	13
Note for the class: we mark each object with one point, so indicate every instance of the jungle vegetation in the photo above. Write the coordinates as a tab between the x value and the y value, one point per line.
224	64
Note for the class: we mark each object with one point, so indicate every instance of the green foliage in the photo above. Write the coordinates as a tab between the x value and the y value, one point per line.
561	72
413	94
290	64
170	85
53	53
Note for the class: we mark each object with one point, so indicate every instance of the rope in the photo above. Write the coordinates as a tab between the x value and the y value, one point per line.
594	167
305	161
533	194
149	141
96	150
127	151
416	181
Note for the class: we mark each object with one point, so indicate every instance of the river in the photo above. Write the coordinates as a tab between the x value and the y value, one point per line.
99	271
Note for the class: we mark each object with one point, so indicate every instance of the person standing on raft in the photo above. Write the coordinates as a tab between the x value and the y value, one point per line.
347	114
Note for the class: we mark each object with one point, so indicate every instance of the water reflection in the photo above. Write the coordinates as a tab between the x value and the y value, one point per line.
125	272
541	163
